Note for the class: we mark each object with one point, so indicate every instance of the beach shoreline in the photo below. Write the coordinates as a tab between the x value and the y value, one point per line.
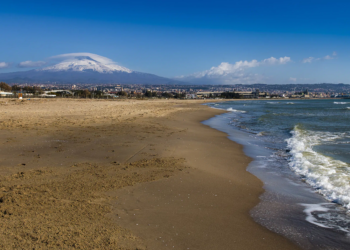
290	206
185	185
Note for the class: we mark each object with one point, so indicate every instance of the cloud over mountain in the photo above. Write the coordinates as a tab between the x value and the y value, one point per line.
85	62
31	64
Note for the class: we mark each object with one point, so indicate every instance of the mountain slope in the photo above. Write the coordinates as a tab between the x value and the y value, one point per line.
93	77
84	68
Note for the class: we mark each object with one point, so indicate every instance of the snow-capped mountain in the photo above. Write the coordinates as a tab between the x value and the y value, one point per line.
85	62
84	68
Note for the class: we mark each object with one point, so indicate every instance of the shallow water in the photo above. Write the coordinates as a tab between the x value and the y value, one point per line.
301	152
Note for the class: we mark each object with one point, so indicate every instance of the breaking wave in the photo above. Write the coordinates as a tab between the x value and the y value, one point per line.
328	176
236	110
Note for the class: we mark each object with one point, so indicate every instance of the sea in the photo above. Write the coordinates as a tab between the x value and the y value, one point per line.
301	152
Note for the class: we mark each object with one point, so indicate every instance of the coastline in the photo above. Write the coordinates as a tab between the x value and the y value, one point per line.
192	199
289	206
211	200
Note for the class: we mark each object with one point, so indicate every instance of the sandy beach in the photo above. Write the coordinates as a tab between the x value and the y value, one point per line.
126	174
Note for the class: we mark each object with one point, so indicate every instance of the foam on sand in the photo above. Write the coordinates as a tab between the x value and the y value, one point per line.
324	215
309	209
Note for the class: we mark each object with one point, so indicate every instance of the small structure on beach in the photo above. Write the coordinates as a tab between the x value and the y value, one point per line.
47	96
4	94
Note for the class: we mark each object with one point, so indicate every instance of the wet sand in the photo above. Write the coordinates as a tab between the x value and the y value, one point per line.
94	174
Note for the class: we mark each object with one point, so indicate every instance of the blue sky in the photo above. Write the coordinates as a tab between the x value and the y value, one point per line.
187	38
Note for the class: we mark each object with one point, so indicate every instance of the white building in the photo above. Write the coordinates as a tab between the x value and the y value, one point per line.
191	96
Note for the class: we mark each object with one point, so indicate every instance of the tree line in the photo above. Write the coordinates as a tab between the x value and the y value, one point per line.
15	88
230	95
5	87
93	94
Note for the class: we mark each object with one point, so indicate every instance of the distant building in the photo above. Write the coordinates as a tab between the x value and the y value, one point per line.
253	94
191	96
209	94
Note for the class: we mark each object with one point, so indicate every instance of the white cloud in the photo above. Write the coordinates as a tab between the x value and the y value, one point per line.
226	73
272	60
327	57
4	65
308	60
101	59
30	64
292	79
226	68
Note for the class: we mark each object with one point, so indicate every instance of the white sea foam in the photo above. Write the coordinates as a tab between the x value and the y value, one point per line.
324	216
309	208
261	165
273	102
348	107
340	102
235	110
329	176
290	103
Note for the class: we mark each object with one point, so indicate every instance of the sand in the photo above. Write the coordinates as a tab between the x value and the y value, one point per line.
103	174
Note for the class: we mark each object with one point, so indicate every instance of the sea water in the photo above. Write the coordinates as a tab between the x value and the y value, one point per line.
301	151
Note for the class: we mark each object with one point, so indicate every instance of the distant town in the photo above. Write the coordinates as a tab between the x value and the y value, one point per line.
139	91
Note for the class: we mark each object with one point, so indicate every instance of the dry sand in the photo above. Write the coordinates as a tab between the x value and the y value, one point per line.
93	174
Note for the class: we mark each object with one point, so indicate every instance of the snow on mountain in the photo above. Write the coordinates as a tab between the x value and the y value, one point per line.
84	68
85	62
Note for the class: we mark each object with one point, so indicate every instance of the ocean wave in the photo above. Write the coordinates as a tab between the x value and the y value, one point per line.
347	107
290	103
340	102
236	110
273	102
263	133
330	177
